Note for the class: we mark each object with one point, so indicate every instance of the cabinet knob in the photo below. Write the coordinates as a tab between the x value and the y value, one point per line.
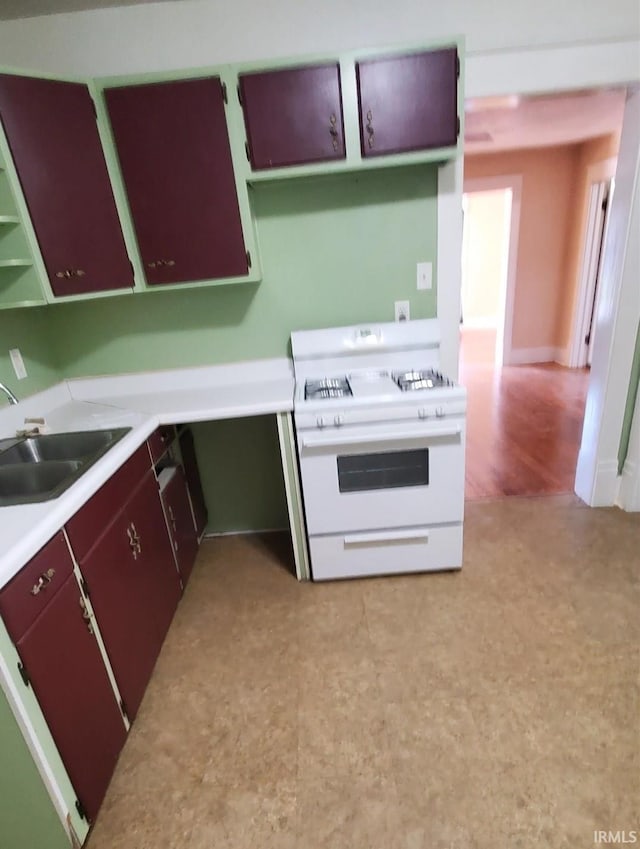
369	127
43	581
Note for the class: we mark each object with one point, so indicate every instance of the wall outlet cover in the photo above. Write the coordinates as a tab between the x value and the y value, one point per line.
402	310
424	275
18	363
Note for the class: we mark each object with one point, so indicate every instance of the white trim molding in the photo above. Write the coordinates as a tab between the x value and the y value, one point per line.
449	263
527	356
617	317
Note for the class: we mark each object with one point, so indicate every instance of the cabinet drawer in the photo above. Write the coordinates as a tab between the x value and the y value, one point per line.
92	520
386	552
26	595
160	440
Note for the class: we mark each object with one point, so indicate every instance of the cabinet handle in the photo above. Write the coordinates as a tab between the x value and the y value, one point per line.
173	519
333	132
71	272
370	130
134	541
43	581
86	615
158	263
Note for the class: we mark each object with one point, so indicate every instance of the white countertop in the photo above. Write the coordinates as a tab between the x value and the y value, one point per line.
140	401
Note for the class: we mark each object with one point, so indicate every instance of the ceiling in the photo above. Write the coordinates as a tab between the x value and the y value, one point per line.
495	124
31	8
492	124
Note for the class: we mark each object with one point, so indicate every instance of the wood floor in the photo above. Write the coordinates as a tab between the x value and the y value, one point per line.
524	425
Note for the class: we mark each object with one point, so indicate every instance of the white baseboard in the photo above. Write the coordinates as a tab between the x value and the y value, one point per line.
479	324
629	492
526	356
602	489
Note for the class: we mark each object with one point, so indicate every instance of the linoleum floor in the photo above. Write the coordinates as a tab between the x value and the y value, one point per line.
492	708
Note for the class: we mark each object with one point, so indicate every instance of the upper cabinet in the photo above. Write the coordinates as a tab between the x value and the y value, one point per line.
53	138
408	103
173	147
293	116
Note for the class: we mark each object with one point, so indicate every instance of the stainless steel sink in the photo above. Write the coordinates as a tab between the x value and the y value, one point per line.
39	468
26	483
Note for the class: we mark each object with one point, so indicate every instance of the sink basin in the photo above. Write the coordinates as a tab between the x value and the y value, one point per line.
39	468
62	446
25	483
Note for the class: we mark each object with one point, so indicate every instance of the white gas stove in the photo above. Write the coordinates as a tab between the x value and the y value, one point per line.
381	436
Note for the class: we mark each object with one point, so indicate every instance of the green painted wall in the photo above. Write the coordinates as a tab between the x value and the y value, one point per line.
335	250
241	474
27	330
27	816
630	405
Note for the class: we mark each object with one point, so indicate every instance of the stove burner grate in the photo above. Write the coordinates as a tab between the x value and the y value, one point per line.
330	387
412	381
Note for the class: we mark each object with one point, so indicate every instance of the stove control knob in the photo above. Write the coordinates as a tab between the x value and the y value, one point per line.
422	413
440	412
338	420
320	421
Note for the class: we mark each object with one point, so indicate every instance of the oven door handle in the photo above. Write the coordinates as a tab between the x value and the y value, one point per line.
418	535
335	440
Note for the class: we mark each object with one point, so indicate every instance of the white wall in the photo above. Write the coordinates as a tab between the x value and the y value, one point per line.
189	33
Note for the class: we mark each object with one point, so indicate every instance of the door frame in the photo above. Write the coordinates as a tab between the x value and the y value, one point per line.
594	234
504	331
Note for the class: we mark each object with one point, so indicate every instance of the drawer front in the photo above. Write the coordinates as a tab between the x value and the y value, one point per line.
26	595
386	552
92	520
160	440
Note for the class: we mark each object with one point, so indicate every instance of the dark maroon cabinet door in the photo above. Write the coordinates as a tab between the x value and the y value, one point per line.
181	524
408	102
53	136
175	157
71	684
134	590
293	116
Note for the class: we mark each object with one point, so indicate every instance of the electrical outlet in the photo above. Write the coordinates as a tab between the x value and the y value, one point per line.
18	363
403	310
424	275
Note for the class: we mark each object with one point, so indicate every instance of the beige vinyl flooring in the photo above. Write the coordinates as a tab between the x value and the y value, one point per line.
492	708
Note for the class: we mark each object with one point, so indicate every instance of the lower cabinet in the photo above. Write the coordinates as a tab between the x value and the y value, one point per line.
44	611
134	589
133	564
182	531
65	668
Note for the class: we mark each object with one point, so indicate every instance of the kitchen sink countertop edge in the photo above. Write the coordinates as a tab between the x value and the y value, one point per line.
140	401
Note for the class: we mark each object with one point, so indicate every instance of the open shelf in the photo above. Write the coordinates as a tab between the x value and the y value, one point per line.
13	263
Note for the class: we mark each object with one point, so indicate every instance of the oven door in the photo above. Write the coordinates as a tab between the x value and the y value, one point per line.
383	476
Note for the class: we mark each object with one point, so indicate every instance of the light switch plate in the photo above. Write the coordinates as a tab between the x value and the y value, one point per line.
18	363
424	272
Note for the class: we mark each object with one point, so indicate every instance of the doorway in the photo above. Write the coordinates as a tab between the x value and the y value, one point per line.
491	222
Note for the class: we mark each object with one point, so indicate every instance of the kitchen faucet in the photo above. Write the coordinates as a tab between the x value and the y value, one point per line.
12	398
